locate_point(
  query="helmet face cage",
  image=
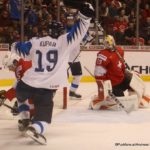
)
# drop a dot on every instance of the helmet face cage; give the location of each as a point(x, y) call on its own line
point(9, 60)
point(109, 42)
point(55, 29)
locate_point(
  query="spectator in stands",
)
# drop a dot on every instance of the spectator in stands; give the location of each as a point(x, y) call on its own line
point(2, 38)
point(119, 28)
point(52, 8)
point(63, 18)
point(117, 4)
point(16, 36)
point(15, 8)
point(3, 5)
point(113, 11)
point(130, 36)
point(123, 15)
point(5, 23)
point(5, 20)
point(43, 13)
point(49, 18)
point(132, 16)
point(145, 30)
point(31, 18)
point(104, 10)
point(37, 5)
point(146, 11)
point(131, 4)
point(126, 8)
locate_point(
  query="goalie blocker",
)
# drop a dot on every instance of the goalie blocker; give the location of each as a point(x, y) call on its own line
point(136, 98)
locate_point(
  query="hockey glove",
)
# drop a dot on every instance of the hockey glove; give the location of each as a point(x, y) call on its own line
point(2, 97)
point(76, 4)
point(87, 10)
point(15, 110)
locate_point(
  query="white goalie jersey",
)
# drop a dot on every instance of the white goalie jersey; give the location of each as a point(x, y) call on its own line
point(50, 56)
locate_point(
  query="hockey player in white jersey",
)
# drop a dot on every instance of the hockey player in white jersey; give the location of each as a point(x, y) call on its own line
point(74, 62)
point(49, 57)
point(76, 70)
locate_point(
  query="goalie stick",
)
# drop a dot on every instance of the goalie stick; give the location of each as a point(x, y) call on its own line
point(127, 110)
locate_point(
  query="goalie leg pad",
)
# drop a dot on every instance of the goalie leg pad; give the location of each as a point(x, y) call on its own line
point(127, 101)
point(107, 87)
point(110, 104)
point(97, 104)
point(137, 85)
point(103, 89)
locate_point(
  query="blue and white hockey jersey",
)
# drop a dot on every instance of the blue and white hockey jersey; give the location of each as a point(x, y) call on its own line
point(50, 56)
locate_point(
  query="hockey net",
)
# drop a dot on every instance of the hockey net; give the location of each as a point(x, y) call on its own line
point(60, 99)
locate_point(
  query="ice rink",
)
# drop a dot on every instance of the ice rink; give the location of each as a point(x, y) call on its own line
point(78, 128)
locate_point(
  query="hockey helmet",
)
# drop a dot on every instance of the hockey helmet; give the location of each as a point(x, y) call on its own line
point(109, 42)
point(55, 29)
point(10, 59)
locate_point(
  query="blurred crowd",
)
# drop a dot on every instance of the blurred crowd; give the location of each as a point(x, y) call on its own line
point(117, 17)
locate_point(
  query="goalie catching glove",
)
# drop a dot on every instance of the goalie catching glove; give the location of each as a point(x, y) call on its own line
point(2, 97)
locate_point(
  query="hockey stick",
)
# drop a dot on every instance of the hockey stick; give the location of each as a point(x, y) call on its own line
point(87, 41)
point(11, 108)
point(72, 62)
point(127, 110)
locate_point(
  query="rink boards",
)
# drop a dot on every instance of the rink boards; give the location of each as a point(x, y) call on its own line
point(137, 58)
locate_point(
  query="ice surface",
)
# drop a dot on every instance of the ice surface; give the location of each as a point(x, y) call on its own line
point(79, 128)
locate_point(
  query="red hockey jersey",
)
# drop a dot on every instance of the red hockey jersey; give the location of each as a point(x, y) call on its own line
point(21, 68)
point(109, 66)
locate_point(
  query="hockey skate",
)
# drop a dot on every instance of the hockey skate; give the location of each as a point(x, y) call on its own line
point(23, 124)
point(39, 138)
point(74, 95)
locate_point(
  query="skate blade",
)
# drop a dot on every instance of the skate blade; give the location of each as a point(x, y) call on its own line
point(40, 140)
point(74, 98)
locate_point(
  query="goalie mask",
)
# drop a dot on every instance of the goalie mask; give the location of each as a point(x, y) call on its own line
point(55, 29)
point(10, 59)
point(109, 42)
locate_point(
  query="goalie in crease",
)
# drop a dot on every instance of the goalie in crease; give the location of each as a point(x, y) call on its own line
point(111, 75)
